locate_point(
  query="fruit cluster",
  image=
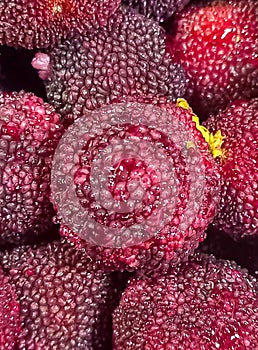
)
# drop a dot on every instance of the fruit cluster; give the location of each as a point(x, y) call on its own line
point(126, 222)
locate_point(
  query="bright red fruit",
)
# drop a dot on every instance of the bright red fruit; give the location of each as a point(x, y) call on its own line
point(216, 43)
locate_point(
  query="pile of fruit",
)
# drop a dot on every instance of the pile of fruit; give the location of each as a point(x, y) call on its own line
point(128, 174)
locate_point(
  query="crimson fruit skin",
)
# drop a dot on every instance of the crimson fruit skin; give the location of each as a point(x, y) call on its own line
point(159, 10)
point(238, 210)
point(202, 304)
point(171, 245)
point(40, 24)
point(66, 302)
point(135, 62)
point(29, 133)
point(10, 324)
point(216, 44)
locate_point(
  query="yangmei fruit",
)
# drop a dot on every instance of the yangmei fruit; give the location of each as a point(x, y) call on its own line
point(202, 304)
point(125, 57)
point(29, 133)
point(65, 300)
point(238, 210)
point(215, 41)
point(168, 188)
point(159, 10)
point(10, 323)
point(42, 23)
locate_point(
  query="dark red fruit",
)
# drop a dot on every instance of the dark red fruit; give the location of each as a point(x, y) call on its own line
point(66, 302)
point(136, 234)
point(125, 57)
point(159, 10)
point(216, 43)
point(41, 23)
point(202, 304)
point(238, 211)
point(29, 133)
point(10, 324)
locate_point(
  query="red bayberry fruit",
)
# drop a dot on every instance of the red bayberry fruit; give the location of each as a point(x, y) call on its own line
point(10, 324)
point(238, 210)
point(66, 302)
point(79, 79)
point(216, 43)
point(29, 133)
point(135, 184)
point(159, 10)
point(41, 23)
point(201, 304)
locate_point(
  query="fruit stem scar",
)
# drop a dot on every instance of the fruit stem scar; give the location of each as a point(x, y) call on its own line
point(214, 140)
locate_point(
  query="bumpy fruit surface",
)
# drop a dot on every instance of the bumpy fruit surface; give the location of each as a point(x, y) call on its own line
point(159, 10)
point(36, 24)
point(65, 300)
point(202, 304)
point(238, 210)
point(10, 324)
point(29, 133)
point(167, 185)
point(216, 43)
point(125, 57)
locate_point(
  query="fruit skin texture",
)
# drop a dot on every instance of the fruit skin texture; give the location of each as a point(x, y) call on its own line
point(37, 24)
point(221, 61)
point(202, 304)
point(29, 133)
point(65, 300)
point(238, 211)
point(171, 245)
point(135, 62)
point(159, 10)
point(10, 324)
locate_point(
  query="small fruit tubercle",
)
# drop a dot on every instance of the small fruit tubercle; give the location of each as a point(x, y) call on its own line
point(214, 140)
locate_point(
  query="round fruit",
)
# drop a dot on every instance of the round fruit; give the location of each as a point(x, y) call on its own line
point(215, 41)
point(238, 210)
point(29, 133)
point(36, 24)
point(135, 184)
point(66, 302)
point(159, 10)
point(202, 304)
point(78, 79)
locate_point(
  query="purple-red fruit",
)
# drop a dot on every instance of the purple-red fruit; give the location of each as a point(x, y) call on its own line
point(215, 41)
point(125, 57)
point(238, 210)
point(29, 133)
point(202, 304)
point(159, 10)
point(10, 324)
point(42, 23)
point(166, 210)
point(66, 302)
